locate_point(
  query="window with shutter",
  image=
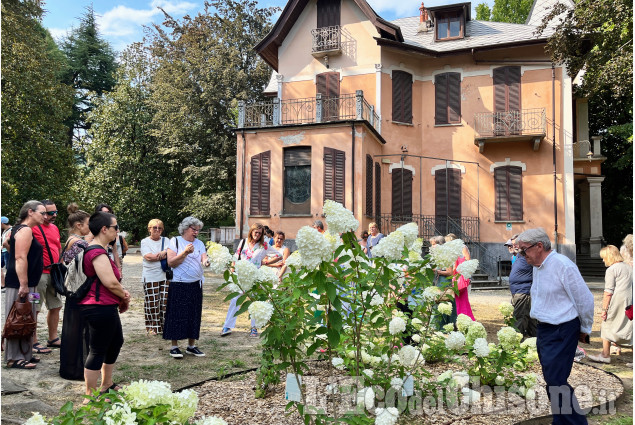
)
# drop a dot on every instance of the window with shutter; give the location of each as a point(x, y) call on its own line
point(509, 193)
point(402, 97)
point(447, 185)
point(507, 100)
point(334, 174)
point(447, 98)
point(328, 85)
point(377, 190)
point(297, 180)
point(328, 13)
point(369, 185)
point(260, 184)
point(401, 194)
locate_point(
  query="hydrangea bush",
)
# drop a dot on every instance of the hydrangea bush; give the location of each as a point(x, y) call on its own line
point(339, 305)
point(142, 402)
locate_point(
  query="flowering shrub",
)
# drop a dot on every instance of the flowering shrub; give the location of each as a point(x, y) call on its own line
point(142, 402)
point(349, 309)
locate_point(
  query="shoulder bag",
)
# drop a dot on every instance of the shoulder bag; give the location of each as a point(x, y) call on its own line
point(20, 323)
point(57, 270)
point(169, 274)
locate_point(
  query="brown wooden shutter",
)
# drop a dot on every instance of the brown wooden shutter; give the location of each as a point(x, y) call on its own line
point(328, 85)
point(369, 185)
point(447, 196)
point(401, 97)
point(334, 175)
point(328, 13)
point(401, 192)
point(377, 190)
point(454, 97)
point(260, 184)
point(509, 193)
point(441, 99)
point(507, 88)
point(500, 89)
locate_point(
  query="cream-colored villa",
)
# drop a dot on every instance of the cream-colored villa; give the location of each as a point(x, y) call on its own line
point(459, 125)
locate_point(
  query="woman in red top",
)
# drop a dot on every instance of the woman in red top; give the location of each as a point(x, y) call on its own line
point(102, 305)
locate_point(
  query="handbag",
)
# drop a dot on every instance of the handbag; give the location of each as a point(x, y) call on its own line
point(20, 323)
point(169, 274)
point(57, 270)
point(629, 312)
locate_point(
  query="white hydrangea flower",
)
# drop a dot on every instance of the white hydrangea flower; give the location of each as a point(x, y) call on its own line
point(339, 219)
point(219, 257)
point(467, 268)
point(333, 240)
point(295, 260)
point(481, 347)
point(410, 232)
point(366, 397)
point(338, 363)
point(408, 354)
point(416, 322)
point(448, 327)
point(531, 356)
point(431, 293)
point(211, 420)
point(506, 309)
point(475, 330)
point(261, 312)
point(268, 274)
point(462, 379)
point(445, 308)
point(396, 383)
point(386, 416)
point(414, 256)
point(184, 406)
point(417, 246)
point(377, 300)
point(455, 341)
point(530, 394)
point(499, 380)
point(416, 338)
point(396, 326)
point(529, 343)
point(444, 376)
point(463, 322)
point(366, 358)
point(375, 361)
point(313, 247)
point(530, 380)
point(424, 348)
point(120, 414)
point(445, 255)
point(247, 274)
point(368, 372)
point(36, 419)
point(509, 338)
point(390, 247)
point(142, 393)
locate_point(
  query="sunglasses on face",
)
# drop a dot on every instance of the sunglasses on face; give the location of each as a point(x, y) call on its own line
point(116, 226)
point(52, 213)
point(523, 251)
point(156, 228)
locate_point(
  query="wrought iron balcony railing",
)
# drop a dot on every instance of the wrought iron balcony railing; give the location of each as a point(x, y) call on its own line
point(466, 228)
point(526, 122)
point(307, 111)
point(327, 39)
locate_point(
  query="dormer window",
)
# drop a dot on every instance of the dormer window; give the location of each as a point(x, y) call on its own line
point(449, 21)
point(449, 26)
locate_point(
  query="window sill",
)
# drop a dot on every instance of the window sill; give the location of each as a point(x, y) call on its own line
point(296, 215)
point(406, 124)
point(258, 216)
point(509, 221)
point(457, 124)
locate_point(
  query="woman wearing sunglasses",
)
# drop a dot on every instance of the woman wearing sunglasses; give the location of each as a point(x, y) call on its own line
point(154, 248)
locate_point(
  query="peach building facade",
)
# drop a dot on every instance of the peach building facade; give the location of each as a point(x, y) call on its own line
point(462, 126)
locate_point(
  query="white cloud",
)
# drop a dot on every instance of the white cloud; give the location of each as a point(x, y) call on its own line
point(58, 33)
point(123, 21)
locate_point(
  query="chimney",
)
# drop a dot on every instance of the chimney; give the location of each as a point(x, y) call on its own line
point(424, 21)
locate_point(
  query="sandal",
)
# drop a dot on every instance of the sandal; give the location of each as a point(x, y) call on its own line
point(35, 359)
point(20, 364)
point(114, 387)
point(52, 343)
point(39, 349)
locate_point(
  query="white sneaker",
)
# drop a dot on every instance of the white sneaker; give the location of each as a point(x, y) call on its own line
point(600, 359)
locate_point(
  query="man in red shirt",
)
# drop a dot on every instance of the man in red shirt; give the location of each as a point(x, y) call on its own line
point(48, 235)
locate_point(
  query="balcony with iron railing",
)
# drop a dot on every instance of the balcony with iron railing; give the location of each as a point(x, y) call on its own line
point(326, 41)
point(510, 126)
point(311, 110)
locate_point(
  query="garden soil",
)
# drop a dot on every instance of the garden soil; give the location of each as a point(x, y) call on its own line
point(146, 356)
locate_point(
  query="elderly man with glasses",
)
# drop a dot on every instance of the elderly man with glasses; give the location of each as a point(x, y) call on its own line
point(48, 235)
point(562, 304)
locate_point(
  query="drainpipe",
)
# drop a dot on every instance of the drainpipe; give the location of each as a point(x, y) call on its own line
point(555, 176)
point(353, 167)
point(242, 186)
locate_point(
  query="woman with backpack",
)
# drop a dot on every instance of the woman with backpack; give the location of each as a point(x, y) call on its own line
point(75, 334)
point(23, 274)
point(101, 306)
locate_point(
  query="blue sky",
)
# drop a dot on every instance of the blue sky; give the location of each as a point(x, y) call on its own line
point(121, 21)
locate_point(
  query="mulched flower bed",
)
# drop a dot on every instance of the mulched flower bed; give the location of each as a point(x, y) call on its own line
point(233, 399)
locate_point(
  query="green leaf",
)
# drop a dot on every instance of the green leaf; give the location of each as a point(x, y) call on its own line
point(333, 337)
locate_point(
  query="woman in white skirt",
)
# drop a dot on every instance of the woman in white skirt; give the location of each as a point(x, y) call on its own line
point(253, 249)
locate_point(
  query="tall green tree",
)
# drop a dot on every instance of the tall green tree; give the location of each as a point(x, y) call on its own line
point(36, 161)
point(205, 64)
point(124, 167)
point(512, 11)
point(90, 71)
point(596, 38)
